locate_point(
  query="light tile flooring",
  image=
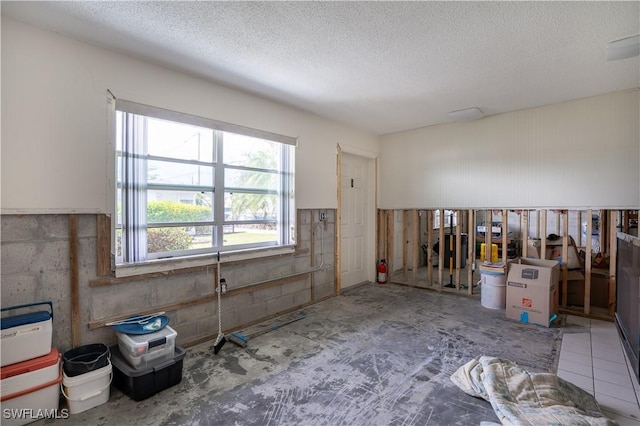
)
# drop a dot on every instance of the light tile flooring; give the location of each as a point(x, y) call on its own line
point(594, 360)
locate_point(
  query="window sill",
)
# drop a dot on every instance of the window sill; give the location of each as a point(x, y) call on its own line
point(165, 265)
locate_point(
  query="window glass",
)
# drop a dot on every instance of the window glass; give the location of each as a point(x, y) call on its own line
point(175, 199)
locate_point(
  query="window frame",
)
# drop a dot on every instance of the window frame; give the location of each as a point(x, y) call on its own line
point(285, 217)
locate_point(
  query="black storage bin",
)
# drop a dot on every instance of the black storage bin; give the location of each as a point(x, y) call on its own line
point(85, 359)
point(142, 383)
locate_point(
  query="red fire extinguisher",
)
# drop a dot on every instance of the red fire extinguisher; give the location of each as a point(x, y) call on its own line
point(382, 272)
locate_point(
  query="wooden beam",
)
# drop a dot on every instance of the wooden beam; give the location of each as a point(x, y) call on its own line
point(430, 248)
point(587, 266)
point(505, 230)
point(565, 256)
point(405, 243)
point(603, 232)
point(543, 237)
point(390, 249)
point(625, 221)
point(525, 233)
point(312, 258)
point(488, 237)
point(613, 253)
point(382, 232)
point(103, 249)
point(75, 280)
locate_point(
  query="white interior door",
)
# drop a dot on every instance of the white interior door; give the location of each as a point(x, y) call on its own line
point(354, 220)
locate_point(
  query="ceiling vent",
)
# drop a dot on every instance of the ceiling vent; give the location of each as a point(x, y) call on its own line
point(624, 48)
point(468, 114)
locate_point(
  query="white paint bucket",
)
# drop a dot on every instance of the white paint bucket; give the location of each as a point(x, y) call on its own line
point(493, 289)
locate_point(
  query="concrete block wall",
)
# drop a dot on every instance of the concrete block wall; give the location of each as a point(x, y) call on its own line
point(35, 267)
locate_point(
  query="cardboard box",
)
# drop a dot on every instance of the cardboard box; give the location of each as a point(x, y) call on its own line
point(532, 290)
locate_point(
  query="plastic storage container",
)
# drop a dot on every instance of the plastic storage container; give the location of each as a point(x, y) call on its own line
point(26, 336)
point(140, 384)
point(85, 359)
point(141, 349)
point(30, 388)
point(87, 390)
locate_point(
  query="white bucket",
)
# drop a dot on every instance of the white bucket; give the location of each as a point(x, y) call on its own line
point(87, 390)
point(493, 289)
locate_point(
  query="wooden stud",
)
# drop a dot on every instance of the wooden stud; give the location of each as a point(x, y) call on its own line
point(543, 237)
point(405, 243)
point(103, 249)
point(505, 230)
point(390, 237)
point(75, 280)
point(382, 232)
point(565, 256)
point(416, 245)
point(430, 248)
point(312, 258)
point(557, 222)
point(525, 233)
point(603, 232)
point(625, 221)
point(488, 236)
point(613, 247)
point(587, 266)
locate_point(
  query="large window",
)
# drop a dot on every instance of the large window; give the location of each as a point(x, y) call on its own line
point(187, 185)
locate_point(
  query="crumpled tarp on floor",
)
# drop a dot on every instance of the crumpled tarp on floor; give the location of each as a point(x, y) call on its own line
point(520, 398)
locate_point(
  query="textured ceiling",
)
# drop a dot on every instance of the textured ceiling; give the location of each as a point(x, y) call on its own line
point(379, 66)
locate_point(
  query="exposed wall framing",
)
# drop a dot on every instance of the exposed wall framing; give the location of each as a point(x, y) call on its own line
point(415, 263)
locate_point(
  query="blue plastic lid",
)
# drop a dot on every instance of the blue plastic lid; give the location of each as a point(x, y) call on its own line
point(22, 319)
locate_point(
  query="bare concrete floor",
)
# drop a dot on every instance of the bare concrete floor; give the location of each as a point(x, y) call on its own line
point(377, 355)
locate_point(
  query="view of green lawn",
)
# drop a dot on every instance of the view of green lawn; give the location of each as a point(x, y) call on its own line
point(236, 238)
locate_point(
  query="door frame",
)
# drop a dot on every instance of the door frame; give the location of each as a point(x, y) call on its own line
point(372, 203)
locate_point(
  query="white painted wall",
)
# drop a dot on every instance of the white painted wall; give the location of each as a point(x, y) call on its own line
point(577, 154)
point(54, 122)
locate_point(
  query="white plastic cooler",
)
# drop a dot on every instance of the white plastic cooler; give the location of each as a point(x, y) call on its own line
point(27, 335)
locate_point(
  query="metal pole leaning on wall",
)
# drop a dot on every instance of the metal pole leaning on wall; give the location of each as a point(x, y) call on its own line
point(458, 246)
point(75, 281)
point(565, 254)
point(471, 244)
point(416, 245)
point(440, 248)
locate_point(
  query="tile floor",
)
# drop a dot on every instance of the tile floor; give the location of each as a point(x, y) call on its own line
point(594, 360)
